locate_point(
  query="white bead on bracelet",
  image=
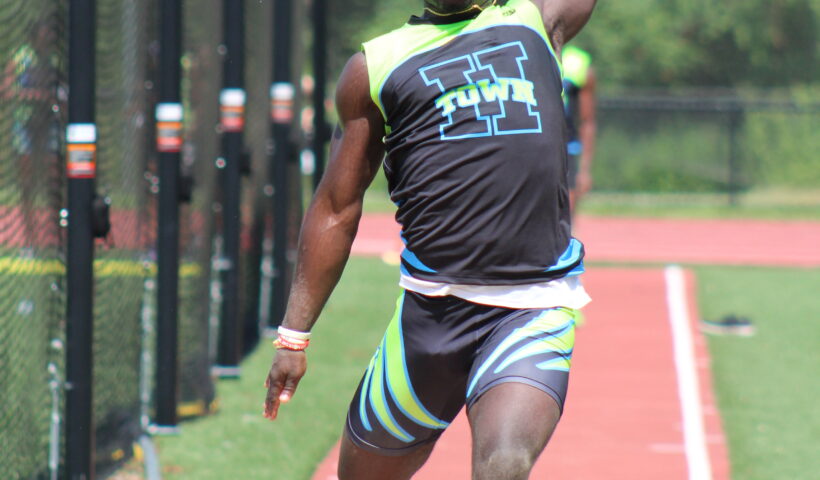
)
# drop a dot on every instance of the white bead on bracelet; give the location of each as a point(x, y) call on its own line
point(294, 334)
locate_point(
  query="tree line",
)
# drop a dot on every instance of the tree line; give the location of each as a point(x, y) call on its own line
point(651, 43)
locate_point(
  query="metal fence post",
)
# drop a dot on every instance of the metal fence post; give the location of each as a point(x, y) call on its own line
point(319, 90)
point(81, 166)
point(282, 94)
point(169, 142)
point(735, 118)
point(232, 119)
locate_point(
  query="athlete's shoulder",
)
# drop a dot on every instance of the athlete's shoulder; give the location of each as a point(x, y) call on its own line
point(563, 19)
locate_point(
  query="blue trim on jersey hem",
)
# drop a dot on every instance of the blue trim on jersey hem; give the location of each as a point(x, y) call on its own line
point(414, 261)
point(570, 256)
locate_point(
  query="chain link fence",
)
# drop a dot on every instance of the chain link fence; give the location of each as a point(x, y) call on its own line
point(712, 142)
point(32, 99)
point(33, 49)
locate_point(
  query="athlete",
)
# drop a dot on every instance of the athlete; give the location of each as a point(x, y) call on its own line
point(579, 109)
point(465, 101)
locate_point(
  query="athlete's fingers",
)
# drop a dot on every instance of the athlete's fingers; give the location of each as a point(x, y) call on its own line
point(289, 389)
point(272, 399)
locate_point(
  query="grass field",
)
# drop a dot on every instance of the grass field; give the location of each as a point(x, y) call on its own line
point(761, 203)
point(766, 385)
point(238, 443)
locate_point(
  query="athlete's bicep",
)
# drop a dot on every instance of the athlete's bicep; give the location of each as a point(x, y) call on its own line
point(563, 19)
point(356, 147)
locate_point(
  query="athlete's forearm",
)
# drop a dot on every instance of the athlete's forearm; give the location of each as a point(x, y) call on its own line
point(588, 127)
point(586, 133)
point(324, 247)
point(333, 217)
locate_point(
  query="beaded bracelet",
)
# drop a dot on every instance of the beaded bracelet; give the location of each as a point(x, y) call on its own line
point(291, 339)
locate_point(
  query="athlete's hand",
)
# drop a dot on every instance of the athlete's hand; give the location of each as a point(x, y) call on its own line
point(288, 368)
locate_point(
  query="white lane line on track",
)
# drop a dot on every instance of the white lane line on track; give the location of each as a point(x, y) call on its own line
point(697, 455)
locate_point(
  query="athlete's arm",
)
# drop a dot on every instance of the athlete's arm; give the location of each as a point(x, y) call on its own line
point(587, 130)
point(331, 221)
point(563, 19)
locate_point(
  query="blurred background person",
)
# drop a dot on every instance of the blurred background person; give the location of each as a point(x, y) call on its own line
point(28, 85)
point(579, 110)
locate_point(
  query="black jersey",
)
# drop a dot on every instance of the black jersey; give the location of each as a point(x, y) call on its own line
point(476, 147)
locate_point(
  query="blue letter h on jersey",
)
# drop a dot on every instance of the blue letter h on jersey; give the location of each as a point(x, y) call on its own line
point(484, 93)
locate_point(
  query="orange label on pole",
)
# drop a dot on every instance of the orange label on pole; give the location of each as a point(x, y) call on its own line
point(232, 109)
point(169, 127)
point(281, 102)
point(81, 145)
point(232, 118)
point(169, 136)
point(82, 160)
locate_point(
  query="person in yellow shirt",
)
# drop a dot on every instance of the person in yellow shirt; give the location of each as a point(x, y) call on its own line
point(579, 110)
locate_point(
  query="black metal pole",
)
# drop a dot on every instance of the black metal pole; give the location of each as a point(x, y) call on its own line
point(282, 96)
point(169, 143)
point(319, 89)
point(735, 117)
point(232, 115)
point(81, 137)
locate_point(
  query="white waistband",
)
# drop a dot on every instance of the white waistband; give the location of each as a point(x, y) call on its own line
point(562, 292)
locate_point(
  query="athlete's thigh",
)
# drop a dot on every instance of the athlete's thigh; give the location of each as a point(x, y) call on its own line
point(517, 389)
point(415, 383)
point(357, 463)
point(511, 424)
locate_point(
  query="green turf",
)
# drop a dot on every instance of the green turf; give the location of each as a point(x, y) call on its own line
point(761, 203)
point(767, 385)
point(758, 204)
point(238, 443)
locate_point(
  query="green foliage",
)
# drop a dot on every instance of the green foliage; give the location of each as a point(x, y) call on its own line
point(660, 153)
point(352, 22)
point(638, 44)
point(704, 43)
point(781, 148)
point(652, 42)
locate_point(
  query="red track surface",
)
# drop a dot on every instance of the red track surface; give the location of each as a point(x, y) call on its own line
point(623, 415)
point(633, 240)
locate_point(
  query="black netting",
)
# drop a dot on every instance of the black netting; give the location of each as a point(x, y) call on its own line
point(706, 143)
point(201, 63)
point(33, 93)
point(256, 204)
point(122, 114)
point(32, 52)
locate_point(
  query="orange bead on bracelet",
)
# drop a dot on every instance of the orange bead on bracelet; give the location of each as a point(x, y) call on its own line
point(294, 344)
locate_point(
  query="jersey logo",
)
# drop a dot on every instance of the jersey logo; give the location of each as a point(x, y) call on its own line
point(485, 93)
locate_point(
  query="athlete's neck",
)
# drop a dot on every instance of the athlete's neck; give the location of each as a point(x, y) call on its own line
point(454, 7)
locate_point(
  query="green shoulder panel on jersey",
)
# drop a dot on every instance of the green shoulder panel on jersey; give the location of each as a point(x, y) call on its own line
point(386, 52)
